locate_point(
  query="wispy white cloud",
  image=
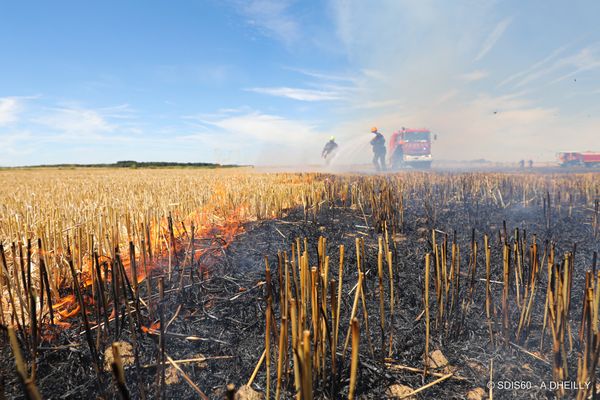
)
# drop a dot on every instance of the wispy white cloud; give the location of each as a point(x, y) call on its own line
point(9, 109)
point(298, 94)
point(265, 127)
point(29, 123)
point(586, 59)
point(447, 96)
point(263, 138)
point(591, 92)
point(16, 145)
point(200, 120)
point(510, 111)
point(373, 73)
point(272, 17)
point(539, 64)
point(324, 76)
point(379, 105)
point(120, 111)
point(493, 38)
point(75, 122)
point(474, 75)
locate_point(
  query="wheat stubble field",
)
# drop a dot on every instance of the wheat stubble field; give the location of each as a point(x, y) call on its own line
point(196, 283)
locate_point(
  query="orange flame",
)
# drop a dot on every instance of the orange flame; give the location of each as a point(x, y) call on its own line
point(209, 225)
point(155, 327)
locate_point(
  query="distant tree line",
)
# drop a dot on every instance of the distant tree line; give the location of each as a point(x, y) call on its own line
point(161, 164)
point(138, 164)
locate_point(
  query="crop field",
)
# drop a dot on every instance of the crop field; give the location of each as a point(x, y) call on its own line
point(240, 283)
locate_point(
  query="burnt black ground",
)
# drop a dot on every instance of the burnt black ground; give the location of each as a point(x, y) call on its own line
point(228, 309)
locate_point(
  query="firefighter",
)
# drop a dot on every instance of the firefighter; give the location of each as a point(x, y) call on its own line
point(378, 144)
point(329, 148)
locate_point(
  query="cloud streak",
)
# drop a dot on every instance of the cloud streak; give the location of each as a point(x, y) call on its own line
point(9, 109)
point(261, 138)
point(75, 122)
point(323, 76)
point(271, 17)
point(474, 76)
point(298, 94)
point(493, 38)
point(586, 59)
point(266, 128)
point(533, 67)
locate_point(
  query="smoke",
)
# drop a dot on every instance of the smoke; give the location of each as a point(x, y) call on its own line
point(467, 70)
point(351, 153)
point(440, 65)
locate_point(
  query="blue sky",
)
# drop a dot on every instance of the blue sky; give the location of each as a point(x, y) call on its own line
point(267, 82)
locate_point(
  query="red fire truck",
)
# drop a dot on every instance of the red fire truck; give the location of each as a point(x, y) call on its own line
point(410, 147)
point(578, 158)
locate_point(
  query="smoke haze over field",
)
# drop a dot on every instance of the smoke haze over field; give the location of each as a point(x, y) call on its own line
point(267, 82)
point(461, 72)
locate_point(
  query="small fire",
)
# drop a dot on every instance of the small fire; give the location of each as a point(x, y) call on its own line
point(67, 307)
point(170, 240)
point(69, 314)
point(152, 329)
point(64, 301)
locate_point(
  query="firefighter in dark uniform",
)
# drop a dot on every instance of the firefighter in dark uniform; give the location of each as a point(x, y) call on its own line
point(378, 144)
point(329, 150)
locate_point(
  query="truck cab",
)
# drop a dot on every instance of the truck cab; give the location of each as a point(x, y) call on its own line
point(569, 158)
point(578, 158)
point(410, 147)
